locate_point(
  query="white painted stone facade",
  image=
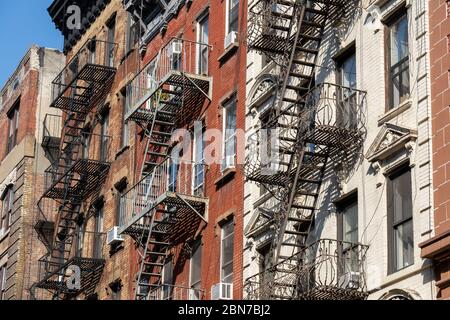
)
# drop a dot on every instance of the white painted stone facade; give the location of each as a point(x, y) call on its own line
point(368, 179)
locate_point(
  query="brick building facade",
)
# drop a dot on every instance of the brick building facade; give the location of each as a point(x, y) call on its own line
point(24, 102)
point(112, 268)
point(437, 248)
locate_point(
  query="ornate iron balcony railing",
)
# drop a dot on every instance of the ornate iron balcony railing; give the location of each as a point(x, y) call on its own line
point(326, 269)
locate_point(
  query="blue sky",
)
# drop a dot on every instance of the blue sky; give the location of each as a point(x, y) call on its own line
point(23, 23)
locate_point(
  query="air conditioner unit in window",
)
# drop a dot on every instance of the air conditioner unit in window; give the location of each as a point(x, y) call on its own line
point(222, 291)
point(231, 38)
point(176, 48)
point(114, 237)
point(350, 280)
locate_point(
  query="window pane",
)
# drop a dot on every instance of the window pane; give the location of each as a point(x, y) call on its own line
point(402, 197)
point(399, 41)
point(349, 72)
point(404, 243)
point(233, 16)
point(227, 252)
point(350, 217)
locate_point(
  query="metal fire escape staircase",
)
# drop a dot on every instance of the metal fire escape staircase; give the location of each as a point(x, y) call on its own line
point(161, 97)
point(74, 177)
point(291, 32)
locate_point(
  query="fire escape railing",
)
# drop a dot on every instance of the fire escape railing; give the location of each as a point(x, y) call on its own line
point(329, 269)
point(94, 156)
point(93, 65)
point(87, 254)
point(172, 177)
point(51, 135)
point(325, 106)
point(177, 57)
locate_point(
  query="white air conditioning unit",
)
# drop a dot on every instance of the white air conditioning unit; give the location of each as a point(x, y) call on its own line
point(176, 48)
point(114, 237)
point(231, 38)
point(350, 280)
point(222, 291)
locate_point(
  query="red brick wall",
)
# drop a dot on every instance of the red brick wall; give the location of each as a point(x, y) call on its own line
point(28, 93)
point(440, 96)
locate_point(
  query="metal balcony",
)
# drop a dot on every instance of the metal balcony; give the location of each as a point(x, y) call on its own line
point(82, 177)
point(176, 293)
point(87, 257)
point(271, 23)
point(173, 184)
point(179, 71)
point(330, 116)
point(85, 77)
point(51, 137)
point(325, 270)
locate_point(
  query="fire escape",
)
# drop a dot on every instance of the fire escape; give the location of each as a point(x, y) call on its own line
point(168, 205)
point(316, 127)
point(80, 163)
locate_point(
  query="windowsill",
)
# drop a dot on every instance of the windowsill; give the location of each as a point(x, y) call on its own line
point(226, 176)
point(395, 112)
point(122, 151)
point(4, 236)
point(228, 53)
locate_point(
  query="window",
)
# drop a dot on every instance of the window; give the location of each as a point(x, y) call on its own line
point(121, 205)
point(199, 159)
point(13, 126)
point(132, 33)
point(232, 17)
point(227, 252)
point(125, 134)
point(398, 48)
point(203, 41)
point(110, 46)
point(104, 138)
point(400, 220)
point(116, 290)
point(98, 234)
point(2, 282)
point(196, 271)
point(229, 135)
point(167, 280)
point(7, 210)
point(346, 113)
point(92, 46)
point(80, 244)
point(348, 233)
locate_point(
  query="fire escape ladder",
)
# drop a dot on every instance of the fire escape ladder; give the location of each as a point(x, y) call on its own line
point(75, 175)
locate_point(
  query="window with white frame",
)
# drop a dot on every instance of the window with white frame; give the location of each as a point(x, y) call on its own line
point(167, 281)
point(227, 252)
point(202, 46)
point(199, 159)
point(232, 16)
point(7, 204)
point(229, 134)
point(2, 281)
point(196, 272)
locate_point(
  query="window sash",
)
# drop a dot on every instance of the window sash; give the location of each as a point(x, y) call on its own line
point(196, 271)
point(229, 135)
point(227, 256)
point(203, 37)
point(2, 281)
point(400, 213)
point(233, 15)
point(398, 50)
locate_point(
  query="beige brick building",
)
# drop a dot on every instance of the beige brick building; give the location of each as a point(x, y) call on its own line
point(24, 102)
